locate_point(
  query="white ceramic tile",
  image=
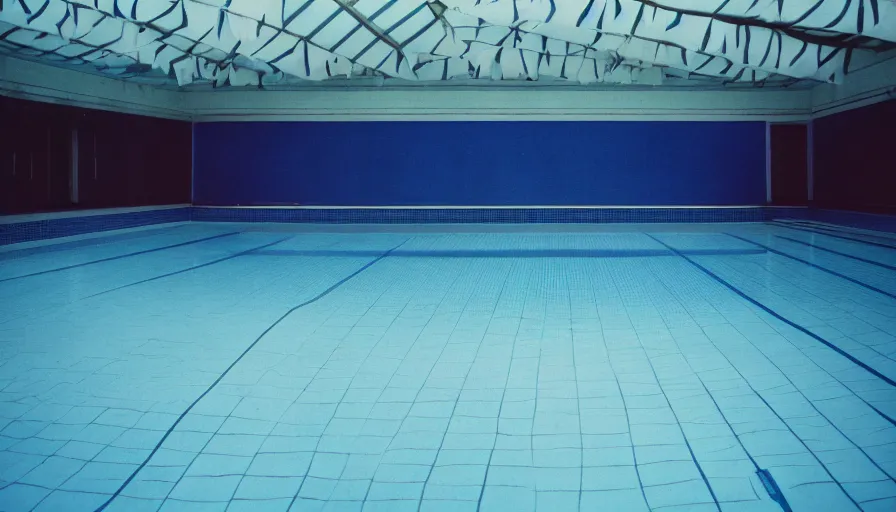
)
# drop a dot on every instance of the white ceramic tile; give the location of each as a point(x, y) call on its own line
point(443, 383)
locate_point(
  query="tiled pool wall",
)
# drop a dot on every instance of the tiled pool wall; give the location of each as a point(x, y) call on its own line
point(467, 215)
point(35, 228)
point(43, 227)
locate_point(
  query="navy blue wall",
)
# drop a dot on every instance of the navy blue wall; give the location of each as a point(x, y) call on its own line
point(853, 163)
point(480, 163)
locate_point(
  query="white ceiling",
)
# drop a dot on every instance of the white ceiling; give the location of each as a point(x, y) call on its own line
point(287, 43)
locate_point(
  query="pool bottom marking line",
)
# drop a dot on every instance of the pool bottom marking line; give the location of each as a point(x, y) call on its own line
point(237, 360)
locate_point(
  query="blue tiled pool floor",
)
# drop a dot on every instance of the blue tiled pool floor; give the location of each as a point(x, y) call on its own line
point(741, 368)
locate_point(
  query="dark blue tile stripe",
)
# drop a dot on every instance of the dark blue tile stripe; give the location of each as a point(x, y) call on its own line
point(120, 256)
point(480, 215)
point(796, 326)
point(234, 363)
point(194, 267)
point(825, 249)
point(56, 228)
point(819, 267)
point(832, 229)
point(875, 222)
point(817, 232)
point(90, 242)
point(509, 253)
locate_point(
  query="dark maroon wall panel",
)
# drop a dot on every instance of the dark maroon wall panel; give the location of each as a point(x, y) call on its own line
point(34, 156)
point(123, 160)
point(789, 164)
point(127, 160)
point(854, 166)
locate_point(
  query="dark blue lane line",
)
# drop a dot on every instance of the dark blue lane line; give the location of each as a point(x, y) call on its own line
point(817, 232)
point(774, 486)
point(190, 269)
point(845, 235)
point(819, 267)
point(838, 253)
point(87, 242)
point(772, 489)
point(684, 436)
point(510, 253)
point(842, 230)
point(112, 258)
point(237, 360)
point(765, 476)
point(796, 326)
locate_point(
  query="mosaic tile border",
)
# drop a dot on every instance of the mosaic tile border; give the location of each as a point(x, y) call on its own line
point(870, 221)
point(487, 215)
point(30, 231)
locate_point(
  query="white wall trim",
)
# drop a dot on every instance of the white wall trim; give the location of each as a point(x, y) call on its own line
point(18, 246)
point(476, 116)
point(873, 84)
point(491, 207)
point(67, 214)
point(470, 104)
point(40, 82)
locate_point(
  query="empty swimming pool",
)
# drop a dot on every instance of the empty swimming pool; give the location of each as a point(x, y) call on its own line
point(738, 367)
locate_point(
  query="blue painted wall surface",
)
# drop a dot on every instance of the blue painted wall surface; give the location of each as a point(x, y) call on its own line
point(480, 163)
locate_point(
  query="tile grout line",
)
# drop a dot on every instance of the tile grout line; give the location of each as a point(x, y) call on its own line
point(796, 326)
point(121, 256)
point(349, 387)
point(417, 395)
point(202, 450)
point(819, 232)
point(783, 500)
point(244, 474)
point(816, 266)
point(797, 285)
point(808, 401)
point(838, 253)
point(687, 443)
point(628, 421)
point(234, 363)
point(460, 390)
point(575, 376)
point(96, 239)
point(765, 475)
point(842, 229)
point(491, 453)
point(815, 363)
point(738, 272)
point(188, 269)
